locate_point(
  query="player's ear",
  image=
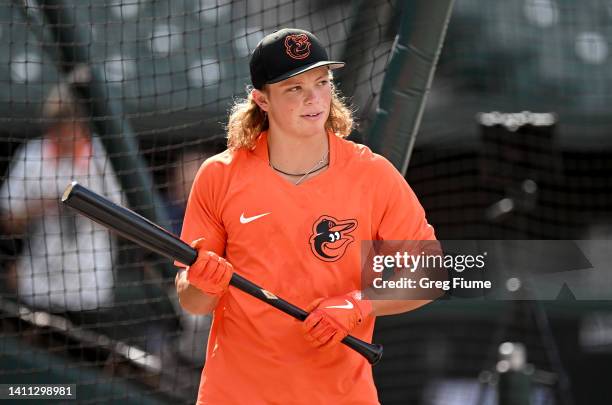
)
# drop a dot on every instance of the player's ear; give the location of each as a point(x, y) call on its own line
point(261, 99)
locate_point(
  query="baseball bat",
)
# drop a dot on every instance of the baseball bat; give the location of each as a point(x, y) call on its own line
point(147, 234)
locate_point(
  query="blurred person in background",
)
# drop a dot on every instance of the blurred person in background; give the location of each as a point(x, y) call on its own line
point(66, 263)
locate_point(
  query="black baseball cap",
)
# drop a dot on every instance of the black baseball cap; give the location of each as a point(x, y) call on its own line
point(287, 53)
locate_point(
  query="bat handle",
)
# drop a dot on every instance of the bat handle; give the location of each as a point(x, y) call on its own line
point(372, 352)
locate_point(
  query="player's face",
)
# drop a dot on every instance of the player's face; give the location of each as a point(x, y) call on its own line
point(300, 105)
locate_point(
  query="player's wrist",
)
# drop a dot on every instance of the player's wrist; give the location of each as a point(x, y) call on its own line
point(362, 304)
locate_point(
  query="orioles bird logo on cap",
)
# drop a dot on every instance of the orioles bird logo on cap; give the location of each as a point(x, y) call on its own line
point(330, 237)
point(297, 46)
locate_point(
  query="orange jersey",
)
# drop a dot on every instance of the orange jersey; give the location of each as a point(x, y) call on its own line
point(301, 243)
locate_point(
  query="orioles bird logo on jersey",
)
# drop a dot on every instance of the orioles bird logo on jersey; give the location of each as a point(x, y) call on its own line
point(297, 46)
point(330, 237)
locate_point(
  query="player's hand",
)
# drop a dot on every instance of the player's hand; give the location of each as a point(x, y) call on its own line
point(210, 273)
point(332, 319)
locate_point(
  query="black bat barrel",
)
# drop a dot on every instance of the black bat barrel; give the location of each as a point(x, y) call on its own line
point(128, 224)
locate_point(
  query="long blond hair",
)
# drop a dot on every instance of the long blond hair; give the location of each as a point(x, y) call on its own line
point(247, 120)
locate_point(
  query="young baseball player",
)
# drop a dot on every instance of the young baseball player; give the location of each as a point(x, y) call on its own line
point(286, 206)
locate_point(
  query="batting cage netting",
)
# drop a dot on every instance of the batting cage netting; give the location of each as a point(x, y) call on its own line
point(129, 97)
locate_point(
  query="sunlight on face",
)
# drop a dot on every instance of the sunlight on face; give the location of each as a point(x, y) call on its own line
point(300, 105)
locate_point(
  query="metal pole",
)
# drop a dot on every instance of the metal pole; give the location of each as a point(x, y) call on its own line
point(408, 79)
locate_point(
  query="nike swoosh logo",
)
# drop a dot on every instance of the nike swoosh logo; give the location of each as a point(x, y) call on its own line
point(348, 305)
point(246, 220)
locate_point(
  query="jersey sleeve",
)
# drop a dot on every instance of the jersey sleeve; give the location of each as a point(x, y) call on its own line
point(203, 214)
point(401, 216)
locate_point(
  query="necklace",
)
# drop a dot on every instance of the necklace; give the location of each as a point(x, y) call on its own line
point(300, 174)
point(321, 164)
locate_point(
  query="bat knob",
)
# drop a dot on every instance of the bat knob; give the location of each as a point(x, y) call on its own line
point(375, 354)
point(371, 351)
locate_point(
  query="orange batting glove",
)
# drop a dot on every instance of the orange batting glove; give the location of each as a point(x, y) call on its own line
point(210, 273)
point(332, 319)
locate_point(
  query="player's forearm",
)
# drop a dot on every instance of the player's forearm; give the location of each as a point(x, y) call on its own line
point(415, 300)
point(191, 299)
point(406, 300)
point(388, 307)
